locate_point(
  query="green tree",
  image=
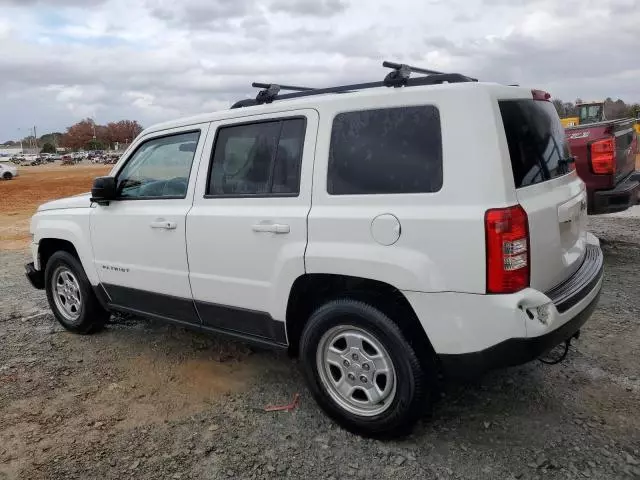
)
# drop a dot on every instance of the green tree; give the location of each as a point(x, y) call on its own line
point(48, 148)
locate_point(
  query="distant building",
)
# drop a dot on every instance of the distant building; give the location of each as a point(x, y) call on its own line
point(7, 151)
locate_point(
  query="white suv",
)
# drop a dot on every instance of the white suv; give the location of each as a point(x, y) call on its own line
point(385, 235)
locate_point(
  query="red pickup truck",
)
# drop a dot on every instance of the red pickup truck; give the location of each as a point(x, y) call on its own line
point(605, 154)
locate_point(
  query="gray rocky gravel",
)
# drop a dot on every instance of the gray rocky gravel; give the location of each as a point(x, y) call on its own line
point(143, 400)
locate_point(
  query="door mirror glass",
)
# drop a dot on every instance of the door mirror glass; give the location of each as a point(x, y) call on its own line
point(103, 190)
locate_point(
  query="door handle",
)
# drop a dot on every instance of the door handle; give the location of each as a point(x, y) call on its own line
point(163, 224)
point(271, 228)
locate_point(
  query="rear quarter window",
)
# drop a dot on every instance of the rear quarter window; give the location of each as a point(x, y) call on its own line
point(537, 145)
point(385, 151)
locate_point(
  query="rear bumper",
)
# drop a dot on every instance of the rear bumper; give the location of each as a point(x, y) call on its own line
point(475, 333)
point(515, 351)
point(35, 277)
point(618, 199)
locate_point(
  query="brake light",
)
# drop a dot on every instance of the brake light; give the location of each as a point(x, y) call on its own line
point(507, 237)
point(540, 95)
point(603, 156)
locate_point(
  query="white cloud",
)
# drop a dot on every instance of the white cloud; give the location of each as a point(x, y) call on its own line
point(155, 59)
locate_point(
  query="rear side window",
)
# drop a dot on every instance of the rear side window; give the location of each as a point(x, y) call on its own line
point(537, 144)
point(391, 150)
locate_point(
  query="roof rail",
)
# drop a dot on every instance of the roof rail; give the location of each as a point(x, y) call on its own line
point(399, 77)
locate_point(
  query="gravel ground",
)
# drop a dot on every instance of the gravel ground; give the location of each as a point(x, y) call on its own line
point(143, 400)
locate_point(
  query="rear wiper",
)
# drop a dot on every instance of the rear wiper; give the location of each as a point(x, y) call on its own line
point(563, 163)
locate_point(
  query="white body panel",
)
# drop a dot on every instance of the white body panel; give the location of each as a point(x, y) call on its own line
point(72, 225)
point(441, 246)
point(557, 212)
point(462, 323)
point(231, 262)
point(129, 250)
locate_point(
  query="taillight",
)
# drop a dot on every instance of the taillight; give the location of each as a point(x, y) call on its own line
point(507, 236)
point(603, 156)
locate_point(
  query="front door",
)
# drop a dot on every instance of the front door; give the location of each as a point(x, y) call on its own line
point(248, 233)
point(139, 239)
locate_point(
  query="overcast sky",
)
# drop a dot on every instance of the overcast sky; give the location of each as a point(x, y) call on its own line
point(152, 60)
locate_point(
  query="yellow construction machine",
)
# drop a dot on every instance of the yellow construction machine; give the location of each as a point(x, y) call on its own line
point(588, 112)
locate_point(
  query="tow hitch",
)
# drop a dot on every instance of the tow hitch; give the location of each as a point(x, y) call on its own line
point(550, 358)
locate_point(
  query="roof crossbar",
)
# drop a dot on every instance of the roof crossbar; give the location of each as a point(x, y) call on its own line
point(282, 87)
point(271, 90)
point(399, 77)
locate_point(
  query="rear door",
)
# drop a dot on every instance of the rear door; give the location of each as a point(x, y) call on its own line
point(552, 195)
point(247, 230)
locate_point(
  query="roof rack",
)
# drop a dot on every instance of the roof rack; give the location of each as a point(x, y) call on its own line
point(400, 76)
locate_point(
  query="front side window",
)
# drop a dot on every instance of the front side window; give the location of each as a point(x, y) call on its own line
point(159, 168)
point(385, 151)
point(258, 159)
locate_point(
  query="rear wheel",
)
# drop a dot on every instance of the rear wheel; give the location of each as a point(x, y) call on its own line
point(362, 371)
point(7, 176)
point(71, 296)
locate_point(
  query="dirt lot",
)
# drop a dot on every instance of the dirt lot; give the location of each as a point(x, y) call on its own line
point(20, 197)
point(146, 400)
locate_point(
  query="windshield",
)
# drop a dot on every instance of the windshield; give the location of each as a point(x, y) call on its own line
point(537, 145)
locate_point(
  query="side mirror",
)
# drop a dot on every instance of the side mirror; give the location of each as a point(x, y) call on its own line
point(103, 190)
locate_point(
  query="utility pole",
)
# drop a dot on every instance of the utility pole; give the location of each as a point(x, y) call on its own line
point(35, 137)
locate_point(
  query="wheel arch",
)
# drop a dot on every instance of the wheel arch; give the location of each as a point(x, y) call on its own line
point(67, 235)
point(310, 291)
point(49, 246)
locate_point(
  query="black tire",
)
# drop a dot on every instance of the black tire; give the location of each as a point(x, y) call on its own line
point(92, 316)
point(415, 378)
point(7, 176)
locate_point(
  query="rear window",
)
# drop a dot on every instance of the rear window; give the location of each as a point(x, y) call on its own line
point(390, 150)
point(537, 144)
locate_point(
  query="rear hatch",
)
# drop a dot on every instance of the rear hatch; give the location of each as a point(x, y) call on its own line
point(547, 188)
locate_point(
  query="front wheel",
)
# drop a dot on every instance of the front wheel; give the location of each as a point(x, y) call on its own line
point(7, 176)
point(71, 296)
point(362, 371)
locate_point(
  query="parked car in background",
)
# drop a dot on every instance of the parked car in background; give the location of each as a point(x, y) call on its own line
point(605, 158)
point(7, 170)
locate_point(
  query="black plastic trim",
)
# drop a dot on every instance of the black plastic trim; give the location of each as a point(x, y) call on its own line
point(35, 277)
point(165, 306)
point(514, 351)
point(242, 321)
point(249, 326)
point(102, 295)
point(574, 289)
